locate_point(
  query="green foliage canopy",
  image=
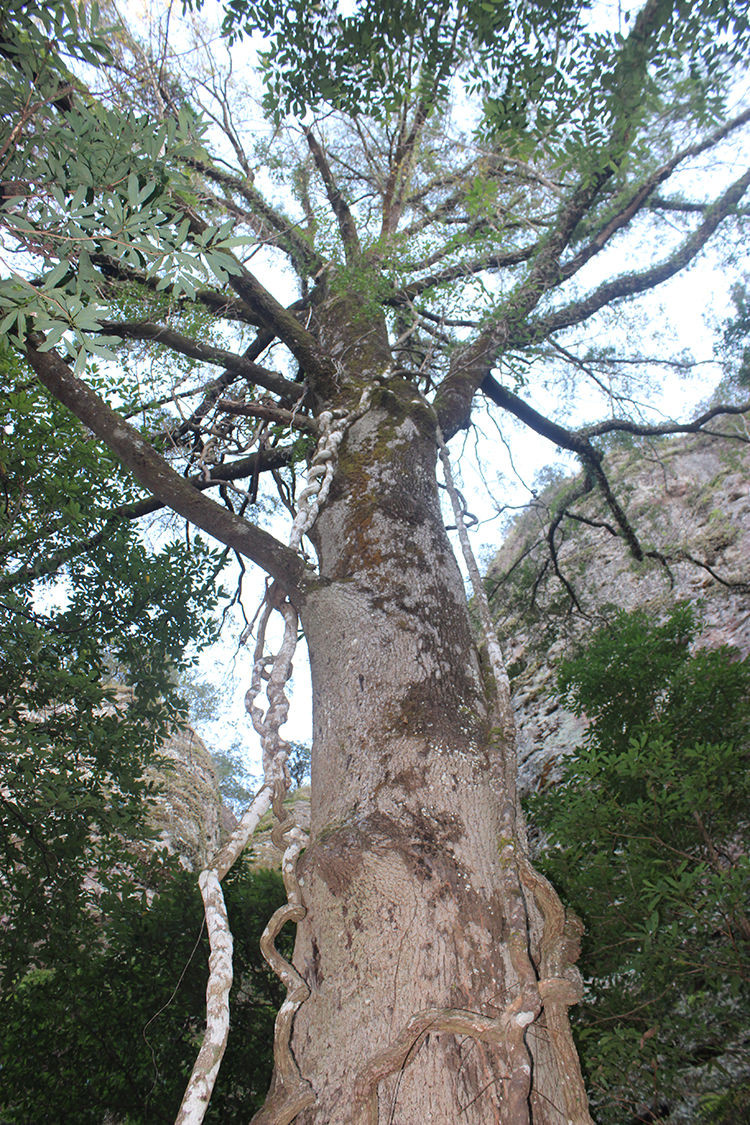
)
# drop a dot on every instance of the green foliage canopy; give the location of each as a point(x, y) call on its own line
point(73, 760)
point(544, 71)
point(104, 182)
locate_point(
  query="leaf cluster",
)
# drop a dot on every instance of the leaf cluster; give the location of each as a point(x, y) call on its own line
point(85, 180)
point(544, 71)
point(377, 58)
point(737, 336)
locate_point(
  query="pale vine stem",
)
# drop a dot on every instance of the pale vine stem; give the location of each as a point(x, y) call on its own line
point(291, 1092)
point(489, 634)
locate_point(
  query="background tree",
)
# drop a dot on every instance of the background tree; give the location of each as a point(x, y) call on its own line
point(100, 947)
point(428, 263)
point(87, 676)
point(647, 840)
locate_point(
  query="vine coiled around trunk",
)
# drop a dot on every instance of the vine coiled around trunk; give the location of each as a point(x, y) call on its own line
point(290, 1092)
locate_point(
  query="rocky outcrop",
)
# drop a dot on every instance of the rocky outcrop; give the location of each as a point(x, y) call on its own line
point(188, 811)
point(688, 501)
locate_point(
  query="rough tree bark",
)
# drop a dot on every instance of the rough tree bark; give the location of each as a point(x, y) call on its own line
point(439, 966)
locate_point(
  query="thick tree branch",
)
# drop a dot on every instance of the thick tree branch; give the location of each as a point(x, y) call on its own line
point(472, 362)
point(269, 414)
point(156, 475)
point(545, 427)
point(489, 228)
point(394, 196)
point(264, 460)
point(238, 365)
point(639, 197)
point(301, 343)
point(395, 189)
point(441, 182)
point(273, 315)
point(684, 207)
point(263, 339)
point(566, 439)
point(441, 211)
point(578, 442)
point(629, 285)
point(340, 207)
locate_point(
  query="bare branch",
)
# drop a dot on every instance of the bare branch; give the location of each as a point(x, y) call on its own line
point(579, 442)
point(214, 390)
point(630, 285)
point(287, 236)
point(682, 206)
point(624, 425)
point(156, 475)
point(269, 413)
point(467, 268)
point(347, 226)
point(579, 492)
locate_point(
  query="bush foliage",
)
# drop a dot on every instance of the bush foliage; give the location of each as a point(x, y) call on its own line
point(110, 1031)
point(647, 841)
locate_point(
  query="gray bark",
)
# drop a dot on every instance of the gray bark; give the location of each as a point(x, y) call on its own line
point(439, 964)
point(426, 935)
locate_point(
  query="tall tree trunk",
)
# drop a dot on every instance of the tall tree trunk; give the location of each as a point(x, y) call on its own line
point(426, 932)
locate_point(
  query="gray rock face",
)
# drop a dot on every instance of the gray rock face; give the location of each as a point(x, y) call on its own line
point(188, 811)
point(687, 499)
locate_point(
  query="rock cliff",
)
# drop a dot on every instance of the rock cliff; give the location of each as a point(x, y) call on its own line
point(688, 501)
point(188, 810)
